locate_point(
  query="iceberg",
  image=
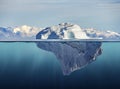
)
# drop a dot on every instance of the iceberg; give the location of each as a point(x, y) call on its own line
point(72, 55)
point(62, 31)
point(74, 31)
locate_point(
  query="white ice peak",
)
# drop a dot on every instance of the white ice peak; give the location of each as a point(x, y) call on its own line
point(62, 31)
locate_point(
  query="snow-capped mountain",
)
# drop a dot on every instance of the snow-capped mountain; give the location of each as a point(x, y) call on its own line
point(60, 31)
point(102, 34)
point(17, 33)
point(26, 31)
point(6, 33)
point(73, 31)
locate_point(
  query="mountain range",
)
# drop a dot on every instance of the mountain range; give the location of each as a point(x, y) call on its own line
point(60, 31)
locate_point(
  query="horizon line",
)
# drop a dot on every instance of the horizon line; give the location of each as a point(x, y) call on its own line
point(62, 40)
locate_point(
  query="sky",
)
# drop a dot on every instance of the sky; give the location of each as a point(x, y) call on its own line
point(99, 14)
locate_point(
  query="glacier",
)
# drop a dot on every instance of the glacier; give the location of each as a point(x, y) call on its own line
point(73, 55)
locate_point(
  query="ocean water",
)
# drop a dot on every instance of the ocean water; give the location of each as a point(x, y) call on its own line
point(24, 66)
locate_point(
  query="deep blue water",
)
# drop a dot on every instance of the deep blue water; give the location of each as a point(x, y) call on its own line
point(24, 66)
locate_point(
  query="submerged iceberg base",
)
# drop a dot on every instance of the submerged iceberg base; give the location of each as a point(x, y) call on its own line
point(73, 55)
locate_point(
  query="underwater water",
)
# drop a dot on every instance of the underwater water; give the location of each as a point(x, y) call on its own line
point(25, 66)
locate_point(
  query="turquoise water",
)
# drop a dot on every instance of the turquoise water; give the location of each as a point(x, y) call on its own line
point(24, 66)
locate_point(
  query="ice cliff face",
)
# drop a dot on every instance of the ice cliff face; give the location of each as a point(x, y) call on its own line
point(73, 55)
